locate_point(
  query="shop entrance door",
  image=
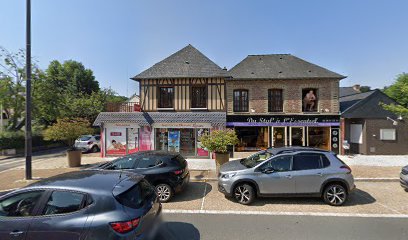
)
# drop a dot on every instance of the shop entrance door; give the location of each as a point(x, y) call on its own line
point(187, 142)
point(278, 137)
point(296, 136)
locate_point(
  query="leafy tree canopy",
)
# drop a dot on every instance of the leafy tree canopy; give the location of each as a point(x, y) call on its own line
point(399, 92)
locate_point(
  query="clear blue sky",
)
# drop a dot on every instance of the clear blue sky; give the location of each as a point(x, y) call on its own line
point(366, 40)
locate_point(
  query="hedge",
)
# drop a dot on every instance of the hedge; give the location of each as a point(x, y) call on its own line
point(16, 140)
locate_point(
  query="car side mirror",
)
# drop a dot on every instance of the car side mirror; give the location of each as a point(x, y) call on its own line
point(268, 170)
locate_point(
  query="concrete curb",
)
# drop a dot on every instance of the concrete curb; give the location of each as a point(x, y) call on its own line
point(377, 179)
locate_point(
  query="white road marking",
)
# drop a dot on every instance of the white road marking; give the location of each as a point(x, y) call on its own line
point(316, 214)
point(376, 202)
point(205, 193)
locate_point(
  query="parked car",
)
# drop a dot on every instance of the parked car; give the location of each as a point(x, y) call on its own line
point(404, 178)
point(86, 205)
point(296, 172)
point(168, 172)
point(88, 143)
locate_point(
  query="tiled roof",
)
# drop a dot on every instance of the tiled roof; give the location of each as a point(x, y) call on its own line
point(279, 66)
point(188, 62)
point(348, 101)
point(346, 91)
point(121, 117)
point(217, 119)
point(366, 105)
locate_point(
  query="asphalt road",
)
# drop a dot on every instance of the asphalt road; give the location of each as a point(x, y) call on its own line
point(13, 162)
point(262, 227)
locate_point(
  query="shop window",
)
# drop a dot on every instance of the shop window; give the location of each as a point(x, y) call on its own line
point(166, 96)
point(310, 101)
point(251, 138)
point(388, 134)
point(319, 137)
point(199, 97)
point(240, 100)
point(275, 100)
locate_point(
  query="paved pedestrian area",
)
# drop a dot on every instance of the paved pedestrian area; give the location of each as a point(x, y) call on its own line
point(369, 198)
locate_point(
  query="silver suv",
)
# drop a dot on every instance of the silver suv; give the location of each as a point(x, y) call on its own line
point(289, 172)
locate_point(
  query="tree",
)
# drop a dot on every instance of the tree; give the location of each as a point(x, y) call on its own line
point(12, 85)
point(399, 92)
point(364, 89)
point(67, 89)
point(68, 130)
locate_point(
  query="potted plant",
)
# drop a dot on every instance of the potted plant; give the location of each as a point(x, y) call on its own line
point(67, 130)
point(218, 141)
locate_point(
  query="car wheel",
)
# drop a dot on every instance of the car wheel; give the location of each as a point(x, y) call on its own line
point(95, 149)
point(244, 194)
point(406, 189)
point(164, 192)
point(335, 195)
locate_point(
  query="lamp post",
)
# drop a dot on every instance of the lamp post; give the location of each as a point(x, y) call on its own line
point(28, 134)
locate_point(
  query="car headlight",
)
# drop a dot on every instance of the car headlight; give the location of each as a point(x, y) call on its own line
point(228, 175)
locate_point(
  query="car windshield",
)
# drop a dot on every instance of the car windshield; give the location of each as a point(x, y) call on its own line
point(256, 158)
point(84, 138)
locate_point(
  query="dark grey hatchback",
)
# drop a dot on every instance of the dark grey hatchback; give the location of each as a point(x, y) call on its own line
point(84, 205)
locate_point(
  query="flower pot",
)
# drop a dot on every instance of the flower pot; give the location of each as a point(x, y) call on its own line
point(221, 158)
point(74, 158)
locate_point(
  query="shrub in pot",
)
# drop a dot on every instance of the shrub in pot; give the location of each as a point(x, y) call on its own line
point(218, 141)
point(67, 130)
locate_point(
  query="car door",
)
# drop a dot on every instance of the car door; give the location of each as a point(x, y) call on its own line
point(275, 176)
point(16, 213)
point(63, 216)
point(307, 172)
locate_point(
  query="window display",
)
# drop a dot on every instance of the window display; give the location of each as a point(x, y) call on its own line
point(319, 137)
point(309, 100)
point(251, 138)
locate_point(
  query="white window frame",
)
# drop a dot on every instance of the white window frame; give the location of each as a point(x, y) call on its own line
point(356, 133)
point(392, 131)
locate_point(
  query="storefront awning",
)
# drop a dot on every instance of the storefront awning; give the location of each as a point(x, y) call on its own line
point(216, 119)
point(121, 117)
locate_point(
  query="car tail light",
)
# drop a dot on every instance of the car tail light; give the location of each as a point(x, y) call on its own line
point(346, 167)
point(178, 172)
point(124, 227)
point(90, 142)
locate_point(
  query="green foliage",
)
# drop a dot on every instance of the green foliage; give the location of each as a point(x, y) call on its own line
point(399, 92)
point(16, 140)
point(365, 89)
point(68, 130)
point(218, 140)
point(12, 78)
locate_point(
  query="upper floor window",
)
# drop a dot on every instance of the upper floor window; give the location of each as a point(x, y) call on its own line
point(240, 100)
point(310, 103)
point(199, 97)
point(275, 100)
point(166, 96)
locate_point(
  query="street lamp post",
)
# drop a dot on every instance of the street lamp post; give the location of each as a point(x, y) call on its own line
point(28, 134)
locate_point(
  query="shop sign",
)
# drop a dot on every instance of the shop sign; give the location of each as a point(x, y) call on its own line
point(182, 125)
point(283, 120)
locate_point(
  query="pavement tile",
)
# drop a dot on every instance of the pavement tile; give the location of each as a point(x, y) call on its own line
point(14, 178)
point(191, 198)
point(360, 202)
point(360, 171)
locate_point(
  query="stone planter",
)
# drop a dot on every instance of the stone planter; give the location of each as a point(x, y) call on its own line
point(220, 158)
point(74, 158)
